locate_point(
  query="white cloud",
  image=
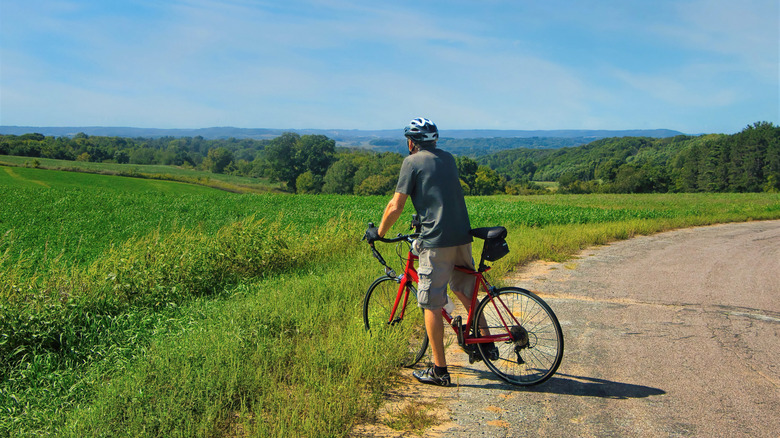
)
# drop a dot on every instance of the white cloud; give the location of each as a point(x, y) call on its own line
point(347, 64)
point(676, 92)
point(746, 32)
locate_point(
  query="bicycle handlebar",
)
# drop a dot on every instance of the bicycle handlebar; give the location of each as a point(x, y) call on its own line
point(400, 237)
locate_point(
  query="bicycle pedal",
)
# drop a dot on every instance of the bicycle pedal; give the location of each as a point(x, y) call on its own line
point(457, 324)
point(473, 352)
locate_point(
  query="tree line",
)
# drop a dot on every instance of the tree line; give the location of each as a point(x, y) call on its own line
point(304, 163)
point(477, 147)
point(748, 161)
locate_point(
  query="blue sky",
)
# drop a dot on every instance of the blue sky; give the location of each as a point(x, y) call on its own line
point(697, 66)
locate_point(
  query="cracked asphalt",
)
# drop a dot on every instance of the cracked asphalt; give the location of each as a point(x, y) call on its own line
point(675, 334)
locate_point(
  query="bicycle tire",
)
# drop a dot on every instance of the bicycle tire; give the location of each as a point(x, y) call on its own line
point(377, 305)
point(529, 360)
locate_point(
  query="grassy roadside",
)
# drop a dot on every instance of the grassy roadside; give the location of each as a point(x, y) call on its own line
point(333, 377)
point(280, 351)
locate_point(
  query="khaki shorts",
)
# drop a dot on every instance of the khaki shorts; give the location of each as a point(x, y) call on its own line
point(437, 268)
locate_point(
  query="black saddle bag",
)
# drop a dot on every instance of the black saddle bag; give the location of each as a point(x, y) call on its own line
point(495, 246)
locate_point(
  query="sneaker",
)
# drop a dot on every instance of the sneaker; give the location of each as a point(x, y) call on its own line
point(429, 376)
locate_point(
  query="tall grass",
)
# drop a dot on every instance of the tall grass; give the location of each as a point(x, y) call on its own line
point(282, 358)
point(244, 321)
point(77, 319)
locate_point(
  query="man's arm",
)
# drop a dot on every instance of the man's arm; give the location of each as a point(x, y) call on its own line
point(392, 212)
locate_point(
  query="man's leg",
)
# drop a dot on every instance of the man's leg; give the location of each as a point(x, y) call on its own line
point(434, 325)
point(434, 269)
point(437, 374)
point(462, 286)
point(466, 301)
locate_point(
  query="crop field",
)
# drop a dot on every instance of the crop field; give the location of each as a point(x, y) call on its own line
point(146, 171)
point(137, 307)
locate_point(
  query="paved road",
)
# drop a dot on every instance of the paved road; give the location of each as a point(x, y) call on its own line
point(676, 334)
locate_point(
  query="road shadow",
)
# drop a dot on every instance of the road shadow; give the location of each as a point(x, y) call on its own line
point(592, 387)
point(566, 384)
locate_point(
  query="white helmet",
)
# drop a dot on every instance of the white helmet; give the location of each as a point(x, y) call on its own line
point(421, 130)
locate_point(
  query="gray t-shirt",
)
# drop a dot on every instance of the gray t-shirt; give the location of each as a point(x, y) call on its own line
point(430, 178)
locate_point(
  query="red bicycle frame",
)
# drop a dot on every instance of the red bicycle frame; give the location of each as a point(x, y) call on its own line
point(410, 276)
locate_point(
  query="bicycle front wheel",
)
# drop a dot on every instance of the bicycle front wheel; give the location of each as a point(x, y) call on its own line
point(535, 349)
point(408, 330)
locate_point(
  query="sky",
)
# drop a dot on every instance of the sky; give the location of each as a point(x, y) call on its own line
point(696, 66)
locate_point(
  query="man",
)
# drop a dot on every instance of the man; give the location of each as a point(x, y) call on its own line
point(430, 177)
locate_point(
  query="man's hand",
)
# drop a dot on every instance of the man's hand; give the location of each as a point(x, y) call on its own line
point(372, 233)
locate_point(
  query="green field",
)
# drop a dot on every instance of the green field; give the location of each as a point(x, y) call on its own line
point(137, 307)
point(228, 182)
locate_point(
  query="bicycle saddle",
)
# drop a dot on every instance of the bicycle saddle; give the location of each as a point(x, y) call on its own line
point(489, 232)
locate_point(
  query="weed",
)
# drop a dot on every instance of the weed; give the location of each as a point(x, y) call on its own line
point(413, 417)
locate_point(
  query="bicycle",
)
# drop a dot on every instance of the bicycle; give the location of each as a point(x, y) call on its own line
point(523, 327)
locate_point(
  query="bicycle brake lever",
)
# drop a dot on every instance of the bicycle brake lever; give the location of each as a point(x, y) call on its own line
point(377, 255)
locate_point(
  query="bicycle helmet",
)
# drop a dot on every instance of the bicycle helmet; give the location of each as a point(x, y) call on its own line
point(421, 130)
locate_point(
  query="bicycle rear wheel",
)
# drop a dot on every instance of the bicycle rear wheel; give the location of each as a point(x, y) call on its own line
point(410, 330)
point(536, 350)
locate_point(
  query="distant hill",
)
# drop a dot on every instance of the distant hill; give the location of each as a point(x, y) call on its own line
point(340, 135)
point(748, 161)
point(468, 142)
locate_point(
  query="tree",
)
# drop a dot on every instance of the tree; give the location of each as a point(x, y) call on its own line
point(339, 178)
point(142, 155)
point(629, 179)
point(243, 167)
point(290, 155)
point(566, 179)
point(376, 185)
point(467, 170)
point(526, 167)
point(218, 159)
point(772, 165)
point(121, 157)
point(308, 182)
point(315, 153)
point(607, 170)
point(281, 155)
point(32, 137)
point(487, 182)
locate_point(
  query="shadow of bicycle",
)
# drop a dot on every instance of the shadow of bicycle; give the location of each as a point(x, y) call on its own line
point(592, 387)
point(566, 384)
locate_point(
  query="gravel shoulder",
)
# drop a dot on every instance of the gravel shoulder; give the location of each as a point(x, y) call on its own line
point(675, 334)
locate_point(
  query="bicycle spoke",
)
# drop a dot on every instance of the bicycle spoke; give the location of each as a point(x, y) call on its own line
point(410, 330)
point(520, 362)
